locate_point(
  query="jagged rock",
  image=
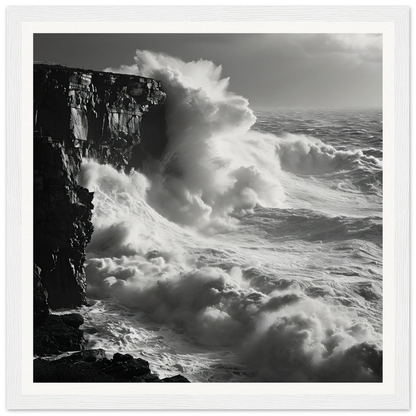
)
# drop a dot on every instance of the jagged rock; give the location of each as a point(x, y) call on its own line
point(52, 335)
point(127, 369)
point(148, 378)
point(93, 366)
point(86, 355)
point(73, 319)
point(122, 357)
point(62, 228)
point(40, 297)
point(61, 372)
point(113, 118)
point(175, 379)
point(96, 111)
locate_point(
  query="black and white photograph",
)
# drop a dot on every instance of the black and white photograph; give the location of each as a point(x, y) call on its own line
point(208, 207)
point(211, 196)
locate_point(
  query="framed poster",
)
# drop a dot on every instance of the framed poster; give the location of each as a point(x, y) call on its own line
point(212, 195)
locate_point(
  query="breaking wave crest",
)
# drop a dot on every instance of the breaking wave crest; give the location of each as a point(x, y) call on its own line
point(310, 156)
point(184, 244)
point(213, 165)
point(151, 265)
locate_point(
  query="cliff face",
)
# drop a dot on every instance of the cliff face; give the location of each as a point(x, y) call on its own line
point(116, 119)
point(104, 115)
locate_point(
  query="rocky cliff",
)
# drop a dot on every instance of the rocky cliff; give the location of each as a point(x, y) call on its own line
point(113, 118)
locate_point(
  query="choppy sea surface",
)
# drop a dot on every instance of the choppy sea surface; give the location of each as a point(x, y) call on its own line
point(252, 251)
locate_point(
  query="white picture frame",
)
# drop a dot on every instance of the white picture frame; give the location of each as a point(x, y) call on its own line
point(395, 395)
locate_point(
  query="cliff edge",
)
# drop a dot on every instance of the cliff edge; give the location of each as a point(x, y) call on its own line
point(113, 118)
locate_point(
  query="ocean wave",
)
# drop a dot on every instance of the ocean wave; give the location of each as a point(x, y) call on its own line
point(307, 155)
point(151, 265)
point(285, 335)
point(259, 249)
point(308, 225)
point(214, 164)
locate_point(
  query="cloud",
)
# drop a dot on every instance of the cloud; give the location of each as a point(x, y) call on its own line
point(357, 47)
point(363, 46)
point(360, 41)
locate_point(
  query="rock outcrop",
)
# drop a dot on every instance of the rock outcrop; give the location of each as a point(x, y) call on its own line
point(113, 118)
point(104, 115)
point(94, 366)
point(55, 334)
point(40, 297)
point(62, 222)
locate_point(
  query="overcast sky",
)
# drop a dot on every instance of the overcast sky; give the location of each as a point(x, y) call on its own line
point(271, 70)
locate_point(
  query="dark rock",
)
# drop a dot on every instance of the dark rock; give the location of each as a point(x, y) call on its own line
point(52, 320)
point(132, 367)
point(40, 297)
point(148, 378)
point(58, 244)
point(87, 355)
point(52, 336)
point(99, 364)
point(61, 372)
point(93, 366)
point(175, 379)
point(113, 118)
point(122, 357)
point(73, 319)
point(83, 113)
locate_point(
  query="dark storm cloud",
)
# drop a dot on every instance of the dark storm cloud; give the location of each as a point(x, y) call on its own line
point(318, 70)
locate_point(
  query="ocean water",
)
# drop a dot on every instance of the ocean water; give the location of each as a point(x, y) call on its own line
point(252, 251)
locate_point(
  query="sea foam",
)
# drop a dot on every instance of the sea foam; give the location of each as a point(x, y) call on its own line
point(194, 244)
